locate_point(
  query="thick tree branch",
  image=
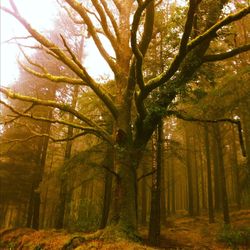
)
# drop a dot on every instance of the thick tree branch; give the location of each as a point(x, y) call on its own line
point(211, 32)
point(188, 27)
point(208, 34)
point(64, 107)
point(140, 51)
point(135, 26)
point(148, 28)
point(136, 73)
point(226, 55)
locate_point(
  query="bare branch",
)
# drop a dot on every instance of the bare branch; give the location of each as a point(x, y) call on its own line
point(71, 16)
point(32, 62)
point(17, 38)
point(36, 135)
point(233, 121)
point(225, 55)
point(146, 175)
point(73, 56)
point(83, 13)
point(111, 18)
point(94, 14)
point(111, 171)
point(53, 78)
point(105, 24)
point(47, 43)
point(43, 119)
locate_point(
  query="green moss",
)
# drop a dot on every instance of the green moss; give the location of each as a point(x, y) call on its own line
point(115, 233)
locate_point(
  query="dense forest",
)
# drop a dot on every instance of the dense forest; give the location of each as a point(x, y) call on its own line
point(141, 157)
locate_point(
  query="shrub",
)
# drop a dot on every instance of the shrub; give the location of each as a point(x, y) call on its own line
point(235, 237)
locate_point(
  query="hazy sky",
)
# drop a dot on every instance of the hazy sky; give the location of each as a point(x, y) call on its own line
point(40, 13)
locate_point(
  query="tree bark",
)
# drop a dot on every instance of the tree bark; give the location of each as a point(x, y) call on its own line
point(155, 224)
point(108, 163)
point(144, 199)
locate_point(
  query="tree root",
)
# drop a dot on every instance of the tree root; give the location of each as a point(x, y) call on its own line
point(109, 234)
point(79, 240)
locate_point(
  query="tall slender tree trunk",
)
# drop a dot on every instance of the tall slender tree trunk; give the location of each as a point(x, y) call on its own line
point(217, 179)
point(168, 187)
point(245, 117)
point(189, 176)
point(37, 195)
point(209, 176)
point(154, 224)
point(35, 199)
point(246, 130)
point(163, 191)
point(236, 177)
point(197, 190)
point(30, 205)
point(203, 192)
point(222, 176)
point(59, 222)
point(173, 191)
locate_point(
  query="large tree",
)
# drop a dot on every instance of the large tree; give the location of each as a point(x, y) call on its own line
point(138, 102)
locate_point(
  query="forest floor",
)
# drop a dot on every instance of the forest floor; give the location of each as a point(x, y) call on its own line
point(180, 233)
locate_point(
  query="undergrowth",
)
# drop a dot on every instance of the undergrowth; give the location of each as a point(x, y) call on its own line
point(235, 238)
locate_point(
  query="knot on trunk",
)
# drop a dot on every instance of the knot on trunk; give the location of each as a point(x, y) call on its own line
point(121, 137)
